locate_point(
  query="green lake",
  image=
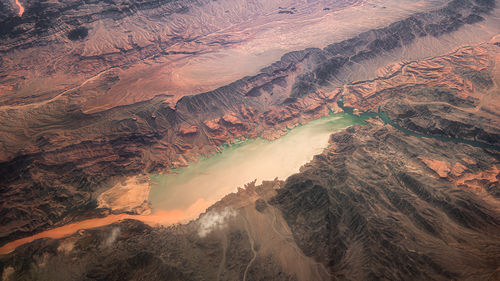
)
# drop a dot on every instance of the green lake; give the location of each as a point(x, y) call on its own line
point(213, 177)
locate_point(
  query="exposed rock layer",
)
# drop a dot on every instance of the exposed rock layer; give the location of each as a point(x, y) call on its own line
point(60, 155)
point(366, 209)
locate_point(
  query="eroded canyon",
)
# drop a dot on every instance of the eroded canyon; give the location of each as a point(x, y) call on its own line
point(410, 196)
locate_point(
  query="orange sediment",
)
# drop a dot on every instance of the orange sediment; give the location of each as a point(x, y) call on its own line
point(21, 8)
point(63, 231)
point(158, 218)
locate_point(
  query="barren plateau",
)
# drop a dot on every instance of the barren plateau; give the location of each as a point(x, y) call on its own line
point(102, 102)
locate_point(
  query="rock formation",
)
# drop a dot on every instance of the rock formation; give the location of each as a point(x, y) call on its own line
point(411, 196)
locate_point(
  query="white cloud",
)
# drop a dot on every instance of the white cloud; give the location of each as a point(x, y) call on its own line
point(112, 236)
point(213, 220)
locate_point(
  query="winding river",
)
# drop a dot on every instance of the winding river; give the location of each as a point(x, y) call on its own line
point(383, 116)
point(186, 192)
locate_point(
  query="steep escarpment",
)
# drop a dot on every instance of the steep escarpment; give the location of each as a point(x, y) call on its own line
point(55, 47)
point(60, 155)
point(136, 63)
point(374, 43)
point(382, 204)
point(451, 96)
point(376, 204)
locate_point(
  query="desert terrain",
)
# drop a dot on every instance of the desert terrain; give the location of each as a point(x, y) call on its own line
point(96, 97)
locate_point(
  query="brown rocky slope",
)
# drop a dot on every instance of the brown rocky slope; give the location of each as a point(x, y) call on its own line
point(377, 204)
point(56, 158)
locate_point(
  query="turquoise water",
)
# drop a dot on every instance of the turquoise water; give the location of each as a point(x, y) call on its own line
point(383, 116)
point(213, 177)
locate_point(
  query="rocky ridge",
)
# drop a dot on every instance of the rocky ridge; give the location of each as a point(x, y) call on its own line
point(376, 204)
point(55, 160)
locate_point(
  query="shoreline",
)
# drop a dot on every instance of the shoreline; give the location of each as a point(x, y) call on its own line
point(155, 218)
